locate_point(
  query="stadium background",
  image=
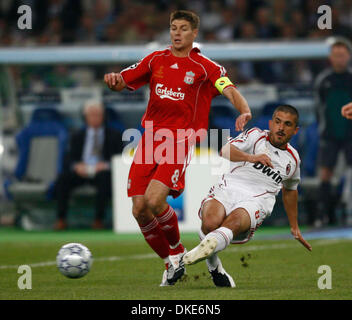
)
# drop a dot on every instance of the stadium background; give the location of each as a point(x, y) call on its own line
point(64, 87)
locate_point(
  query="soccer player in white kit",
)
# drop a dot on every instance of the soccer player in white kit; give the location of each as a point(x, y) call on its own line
point(262, 164)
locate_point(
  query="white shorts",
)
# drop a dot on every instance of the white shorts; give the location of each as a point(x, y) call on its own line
point(258, 208)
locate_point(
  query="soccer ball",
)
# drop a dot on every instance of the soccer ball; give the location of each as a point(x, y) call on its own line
point(74, 260)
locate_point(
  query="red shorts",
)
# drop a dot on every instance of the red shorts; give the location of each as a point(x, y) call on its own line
point(165, 161)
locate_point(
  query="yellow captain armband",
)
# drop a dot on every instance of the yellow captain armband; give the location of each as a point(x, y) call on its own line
point(222, 83)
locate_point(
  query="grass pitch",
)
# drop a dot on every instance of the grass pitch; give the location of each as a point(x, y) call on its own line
point(124, 267)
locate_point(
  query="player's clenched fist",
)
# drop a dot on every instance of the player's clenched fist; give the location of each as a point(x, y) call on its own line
point(114, 81)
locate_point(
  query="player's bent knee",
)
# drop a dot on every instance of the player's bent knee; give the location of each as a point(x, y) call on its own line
point(139, 207)
point(141, 212)
point(238, 221)
point(142, 217)
point(137, 211)
point(154, 204)
point(210, 224)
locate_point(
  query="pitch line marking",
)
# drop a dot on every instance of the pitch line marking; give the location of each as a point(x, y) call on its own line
point(234, 248)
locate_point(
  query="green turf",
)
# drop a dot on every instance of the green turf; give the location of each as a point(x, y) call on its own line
point(262, 269)
point(11, 234)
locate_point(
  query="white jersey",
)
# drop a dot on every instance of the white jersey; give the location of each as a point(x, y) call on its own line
point(257, 179)
point(254, 186)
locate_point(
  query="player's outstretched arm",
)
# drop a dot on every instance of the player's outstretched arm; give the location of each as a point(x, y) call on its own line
point(290, 199)
point(346, 111)
point(114, 81)
point(230, 152)
point(240, 103)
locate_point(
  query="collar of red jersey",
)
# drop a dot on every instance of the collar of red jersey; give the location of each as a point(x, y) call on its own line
point(195, 49)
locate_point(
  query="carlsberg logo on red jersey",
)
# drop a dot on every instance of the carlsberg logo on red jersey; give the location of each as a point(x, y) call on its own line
point(165, 92)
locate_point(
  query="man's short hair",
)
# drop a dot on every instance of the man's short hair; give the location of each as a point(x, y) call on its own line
point(288, 109)
point(342, 43)
point(189, 16)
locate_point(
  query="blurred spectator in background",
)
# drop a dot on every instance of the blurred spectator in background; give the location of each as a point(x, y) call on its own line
point(297, 20)
point(103, 17)
point(280, 12)
point(333, 90)
point(92, 22)
point(90, 153)
point(346, 13)
point(246, 68)
point(339, 29)
point(265, 28)
point(212, 16)
point(59, 77)
point(69, 13)
point(85, 34)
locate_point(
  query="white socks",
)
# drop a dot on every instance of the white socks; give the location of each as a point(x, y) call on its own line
point(201, 235)
point(212, 262)
point(224, 236)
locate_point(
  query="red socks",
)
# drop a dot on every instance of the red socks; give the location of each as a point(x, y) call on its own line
point(155, 238)
point(169, 225)
point(163, 235)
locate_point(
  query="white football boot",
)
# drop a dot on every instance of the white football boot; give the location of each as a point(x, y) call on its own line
point(204, 250)
point(164, 282)
point(175, 270)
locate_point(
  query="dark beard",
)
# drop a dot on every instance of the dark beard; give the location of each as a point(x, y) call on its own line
point(276, 144)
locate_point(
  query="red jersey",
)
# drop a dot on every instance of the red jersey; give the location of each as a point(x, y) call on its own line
point(181, 88)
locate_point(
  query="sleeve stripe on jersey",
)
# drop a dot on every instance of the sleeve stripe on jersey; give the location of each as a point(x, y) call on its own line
point(222, 69)
point(244, 133)
point(248, 131)
point(132, 66)
point(234, 140)
point(251, 130)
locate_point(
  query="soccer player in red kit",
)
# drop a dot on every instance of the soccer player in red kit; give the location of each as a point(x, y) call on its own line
point(182, 84)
